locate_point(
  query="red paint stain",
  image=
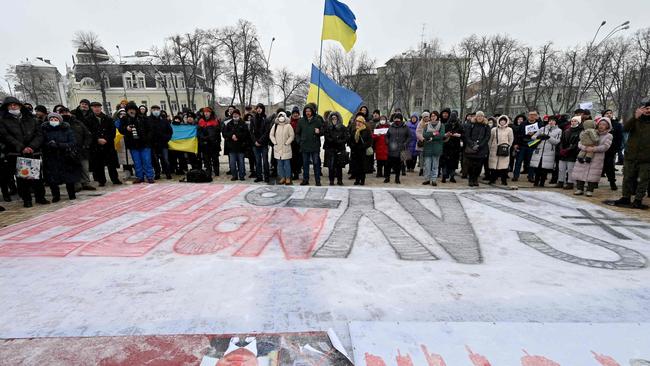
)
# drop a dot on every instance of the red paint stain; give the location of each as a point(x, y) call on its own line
point(529, 360)
point(372, 360)
point(477, 359)
point(403, 360)
point(605, 360)
point(433, 359)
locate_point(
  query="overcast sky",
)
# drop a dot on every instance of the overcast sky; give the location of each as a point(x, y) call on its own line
point(31, 28)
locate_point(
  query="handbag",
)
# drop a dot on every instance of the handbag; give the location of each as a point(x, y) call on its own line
point(405, 155)
point(27, 168)
point(502, 149)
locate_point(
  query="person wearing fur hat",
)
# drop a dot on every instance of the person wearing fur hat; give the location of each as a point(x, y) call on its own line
point(336, 136)
point(282, 136)
point(501, 140)
point(310, 129)
point(589, 173)
point(360, 142)
point(137, 137)
point(296, 155)
point(636, 168)
point(20, 136)
point(103, 147)
point(476, 149)
point(61, 160)
point(209, 134)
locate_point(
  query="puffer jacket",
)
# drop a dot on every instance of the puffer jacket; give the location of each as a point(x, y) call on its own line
point(281, 136)
point(498, 136)
point(61, 162)
point(336, 136)
point(590, 172)
point(569, 144)
point(544, 154)
point(397, 138)
point(19, 132)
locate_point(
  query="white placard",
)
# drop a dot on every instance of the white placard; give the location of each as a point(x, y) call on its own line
point(532, 128)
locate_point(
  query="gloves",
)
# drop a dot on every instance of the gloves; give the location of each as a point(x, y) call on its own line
point(52, 144)
point(544, 137)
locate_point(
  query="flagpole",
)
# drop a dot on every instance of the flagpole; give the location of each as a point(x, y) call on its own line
point(320, 62)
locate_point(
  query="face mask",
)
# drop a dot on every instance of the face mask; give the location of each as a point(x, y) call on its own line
point(235, 119)
point(15, 112)
point(155, 113)
point(54, 123)
point(281, 119)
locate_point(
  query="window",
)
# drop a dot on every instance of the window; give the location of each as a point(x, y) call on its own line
point(174, 107)
point(159, 82)
point(128, 80)
point(179, 81)
point(107, 83)
point(108, 106)
point(184, 106)
point(418, 102)
point(163, 105)
point(141, 82)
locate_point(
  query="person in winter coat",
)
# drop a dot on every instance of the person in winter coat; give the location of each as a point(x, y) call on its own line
point(609, 168)
point(84, 139)
point(336, 136)
point(589, 173)
point(431, 138)
point(21, 136)
point(237, 137)
point(379, 145)
point(61, 161)
point(260, 127)
point(543, 159)
point(102, 147)
point(450, 158)
point(209, 135)
point(501, 139)
point(360, 142)
point(397, 138)
point(523, 151)
point(137, 137)
point(636, 168)
point(475, 141)
point(296, 155)
point(282, 136)
point(413, 149)
point(310, 129)
point(568, 151)
point(83, 113)
point(161, 134)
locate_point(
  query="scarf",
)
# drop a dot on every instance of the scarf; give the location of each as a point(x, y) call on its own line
point(433, 126)
point(357, 133)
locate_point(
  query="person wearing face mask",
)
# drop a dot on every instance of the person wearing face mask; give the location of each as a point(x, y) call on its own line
point(237, 138)
point(379, 145)
point(137, 137)
point(282, 135)
point(336, 136)
point(83, 138)
point(103, 147)
point(61, 161)
point(296, 155)
point(161, 134)
point(260, 127)
point(543, 159)
point(21, 136)
point(209, 134)
point(569, 154)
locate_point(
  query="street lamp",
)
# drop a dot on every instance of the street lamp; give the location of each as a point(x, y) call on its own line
point(598, 31)
point(622, 27)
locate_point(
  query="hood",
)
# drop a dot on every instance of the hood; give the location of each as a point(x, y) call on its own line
point(338, 115)
point(146, 110)
point(609, 124)
point(9, 100)
point(502, 117)
point(260, 105)
point(286, 119)
point(311, 106)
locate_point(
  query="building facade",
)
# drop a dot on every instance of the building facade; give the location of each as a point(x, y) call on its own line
point(140, 78)
point(37, 81)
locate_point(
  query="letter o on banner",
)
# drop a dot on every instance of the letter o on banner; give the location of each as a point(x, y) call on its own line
point(269, 196)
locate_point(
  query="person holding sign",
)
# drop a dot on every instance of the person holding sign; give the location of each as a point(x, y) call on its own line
point(523, 136)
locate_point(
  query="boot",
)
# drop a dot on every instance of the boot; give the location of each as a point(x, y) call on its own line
point(444, 180)
point(339, 182)
point(638, 204)
point(304, 183)
point(504, 181)
point(568, 186)
point(559, 185)
point(288, 182)
point(386, 180)
point(623, 201)
point(613, 186)
point(282, 181)
point(6, 197)
point(452, 180)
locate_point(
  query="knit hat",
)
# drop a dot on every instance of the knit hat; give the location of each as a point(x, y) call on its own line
point(295, 110)
point(131, 105)
point(40, 108)
point(55, 115)
point(426, 114)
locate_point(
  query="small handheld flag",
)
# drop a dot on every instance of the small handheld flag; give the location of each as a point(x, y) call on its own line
point(339, 24)
point(332, 96)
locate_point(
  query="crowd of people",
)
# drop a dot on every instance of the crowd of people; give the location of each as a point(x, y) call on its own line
point(571, 152)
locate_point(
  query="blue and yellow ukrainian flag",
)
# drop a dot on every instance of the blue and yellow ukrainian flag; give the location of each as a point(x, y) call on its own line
point(332, 96)
point(339, 24)
point(184, 139)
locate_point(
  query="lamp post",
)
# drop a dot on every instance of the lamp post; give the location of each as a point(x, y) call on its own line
point(621, 27)
point(119, 52)
point(267, 61)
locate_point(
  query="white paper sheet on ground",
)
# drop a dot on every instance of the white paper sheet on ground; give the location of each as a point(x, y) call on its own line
point(218, 264)
point(336, 342)
point(526, 344)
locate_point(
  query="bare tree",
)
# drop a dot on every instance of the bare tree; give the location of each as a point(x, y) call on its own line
point(187, 51)
point(89, 42)
point(34, 86)
point(462, 60)
point(213, 63)
point(293, 87)
point(164, 57)
point(535, 67)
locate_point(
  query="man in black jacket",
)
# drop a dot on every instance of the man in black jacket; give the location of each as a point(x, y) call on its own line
point(21, 136)
point(522, 150)
point(161, 133)
point(137, 137)
point(260, 128)
point(83, 138)
point(103, 146)
point(237, 137)
point(609, 167)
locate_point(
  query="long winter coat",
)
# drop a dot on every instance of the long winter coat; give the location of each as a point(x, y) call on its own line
point(477, 133)
point(17, 133)
point(498, 136)
point(143, 129)
point(638, 148)
point(358, 148)
point(413, 142)
point(239, 129)
point(397, 139)
point(590, 172)
point(82, 135)
point(61, 162)
point(433, 140)
point(379, 143)
point(282, 136)
point(336, 136)
point(569, 144)
point(544, 154)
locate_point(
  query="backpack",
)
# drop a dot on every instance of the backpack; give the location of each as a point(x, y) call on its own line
point(198, 176)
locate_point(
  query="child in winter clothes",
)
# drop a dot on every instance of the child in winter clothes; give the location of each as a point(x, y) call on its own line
point(588, 137)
